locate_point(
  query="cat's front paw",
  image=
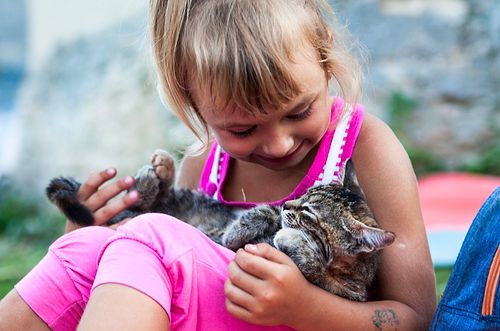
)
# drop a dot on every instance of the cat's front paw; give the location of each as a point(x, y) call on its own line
point(236, 235)
point(288, 241)
point(254, 226)
point(147, 183)
point(63, 192)
point(164, 166)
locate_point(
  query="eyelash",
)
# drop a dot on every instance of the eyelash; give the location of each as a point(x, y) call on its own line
point(243, 134)
point(296, 117)
point(300, 116)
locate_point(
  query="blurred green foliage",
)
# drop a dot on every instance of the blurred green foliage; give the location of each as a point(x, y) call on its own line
point(488, 163)
point(400, 109)
point(25, 218)
point(442, 276)
point(27, 227)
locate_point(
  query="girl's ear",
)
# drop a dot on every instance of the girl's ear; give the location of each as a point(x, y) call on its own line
point(368, 239)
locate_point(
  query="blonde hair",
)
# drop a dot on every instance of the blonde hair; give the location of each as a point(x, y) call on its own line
point(239, 52)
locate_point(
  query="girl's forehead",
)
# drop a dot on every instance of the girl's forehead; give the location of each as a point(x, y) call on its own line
point(306, 70)
point(232, 115)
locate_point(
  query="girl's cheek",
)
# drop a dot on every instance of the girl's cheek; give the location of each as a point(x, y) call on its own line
point(236, 147)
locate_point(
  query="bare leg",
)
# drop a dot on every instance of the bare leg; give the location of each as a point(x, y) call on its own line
point(16, 315)
point(117, 307)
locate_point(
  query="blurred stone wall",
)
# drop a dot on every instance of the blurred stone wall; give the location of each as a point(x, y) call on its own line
point(444, 55)
point(95, 102)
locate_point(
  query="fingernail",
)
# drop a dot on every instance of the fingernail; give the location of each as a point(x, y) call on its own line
point(251, 247)
point(110, 171)
point(129, 180)
point(133, 195)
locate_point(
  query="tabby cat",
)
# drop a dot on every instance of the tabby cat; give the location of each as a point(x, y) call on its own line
point(329, 232)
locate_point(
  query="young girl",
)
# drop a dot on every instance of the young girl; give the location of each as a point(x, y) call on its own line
point(255, 76)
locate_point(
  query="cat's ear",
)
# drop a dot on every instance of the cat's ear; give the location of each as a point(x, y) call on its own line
point(368, 239)
point(348, 178)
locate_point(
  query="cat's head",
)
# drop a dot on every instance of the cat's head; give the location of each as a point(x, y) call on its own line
point(336, 221)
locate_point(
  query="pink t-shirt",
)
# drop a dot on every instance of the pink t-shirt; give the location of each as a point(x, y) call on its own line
point(335, 149)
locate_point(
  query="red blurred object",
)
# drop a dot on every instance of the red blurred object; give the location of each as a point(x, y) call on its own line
point(450, 201)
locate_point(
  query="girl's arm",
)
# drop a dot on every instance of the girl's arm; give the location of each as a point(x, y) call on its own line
point(265, 287)
point(387, 178)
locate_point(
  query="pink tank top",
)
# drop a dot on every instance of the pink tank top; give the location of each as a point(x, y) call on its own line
point(335, 148)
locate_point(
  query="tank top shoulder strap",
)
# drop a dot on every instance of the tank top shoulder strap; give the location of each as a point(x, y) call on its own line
point(211, 171)
point(344, 139)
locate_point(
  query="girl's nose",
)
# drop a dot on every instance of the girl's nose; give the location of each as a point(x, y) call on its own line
point(277, 144)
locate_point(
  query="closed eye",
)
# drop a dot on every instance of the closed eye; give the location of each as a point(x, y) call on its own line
point(300, 116)
point(305, 208)
point(243, 133)
point(306, 211)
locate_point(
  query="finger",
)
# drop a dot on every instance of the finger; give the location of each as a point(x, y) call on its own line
point(255, 265)
point(243, 280)
point(238, 312)
point(122, 222)
point(268, 252)
point(102, 196)
point(95, 180)
point(105, 213)
point(238, 296)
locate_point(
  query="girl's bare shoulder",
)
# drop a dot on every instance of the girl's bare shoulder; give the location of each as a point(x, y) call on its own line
point(377, 143)
point(191, 167)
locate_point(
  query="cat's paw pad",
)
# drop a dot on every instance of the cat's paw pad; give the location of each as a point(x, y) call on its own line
point(163, 165)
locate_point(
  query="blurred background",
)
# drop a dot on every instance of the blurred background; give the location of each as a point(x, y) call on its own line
point(78, 93)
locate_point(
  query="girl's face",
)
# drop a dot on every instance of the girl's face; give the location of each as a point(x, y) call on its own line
point(280, 139)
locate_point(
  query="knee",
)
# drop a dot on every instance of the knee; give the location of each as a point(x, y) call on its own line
point(87, 239)
point(151, 224)
point(157, 231)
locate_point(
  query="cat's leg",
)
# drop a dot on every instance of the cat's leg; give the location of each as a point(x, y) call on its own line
point(256, 225)
point(154, 178)
point(164, 166)
point(63, 192)
point(304, 253)
point(147, 183)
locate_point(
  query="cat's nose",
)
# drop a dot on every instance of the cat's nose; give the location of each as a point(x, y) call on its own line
point(291, 204)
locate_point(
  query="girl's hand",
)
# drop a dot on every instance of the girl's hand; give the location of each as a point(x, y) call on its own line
point(264, 286)
point(97, 199)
